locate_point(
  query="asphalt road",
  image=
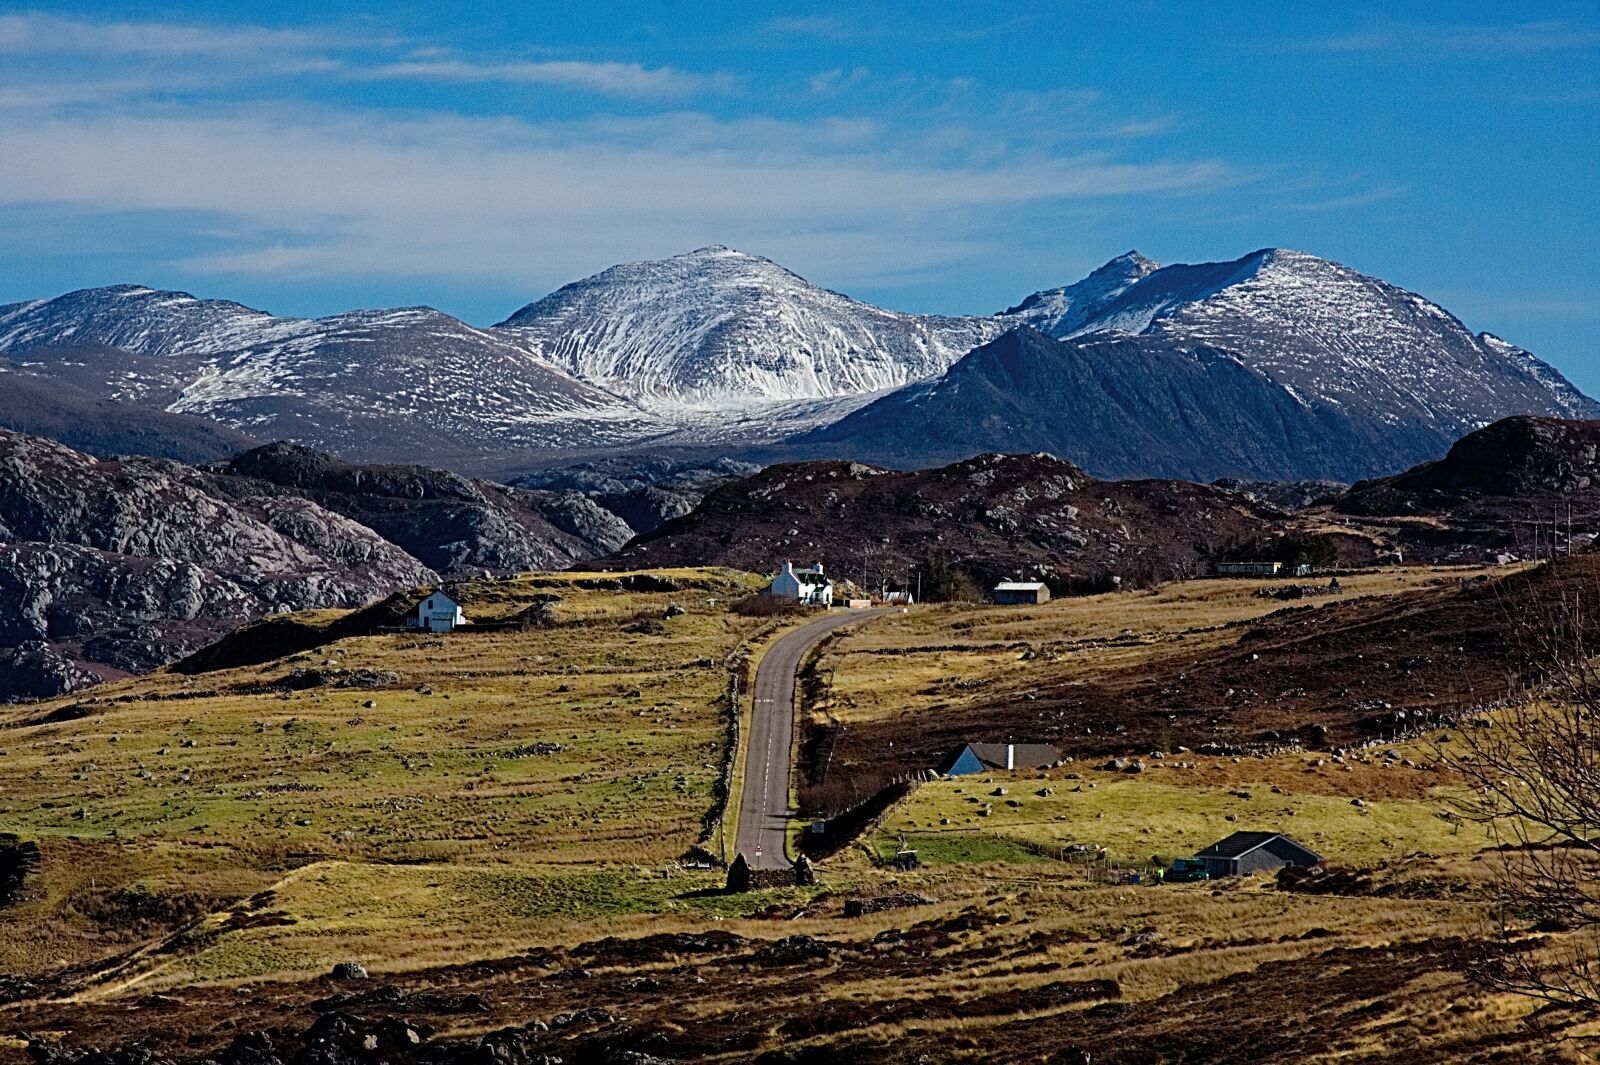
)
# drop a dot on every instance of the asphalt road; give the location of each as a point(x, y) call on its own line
point(764, 807)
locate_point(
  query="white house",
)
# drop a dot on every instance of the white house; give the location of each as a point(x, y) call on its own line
point(807, 586)
point(439, 612)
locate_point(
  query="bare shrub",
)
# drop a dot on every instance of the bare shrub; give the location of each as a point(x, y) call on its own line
point(1533, 770)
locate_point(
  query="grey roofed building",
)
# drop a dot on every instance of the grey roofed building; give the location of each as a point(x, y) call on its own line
point(1244, 853)
point(984, 757)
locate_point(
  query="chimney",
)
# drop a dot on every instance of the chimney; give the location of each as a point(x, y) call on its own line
point(1011, 756)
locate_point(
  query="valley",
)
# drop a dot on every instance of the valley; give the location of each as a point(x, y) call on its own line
point(506, 829)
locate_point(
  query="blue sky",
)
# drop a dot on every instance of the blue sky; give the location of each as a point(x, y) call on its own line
point(925, 156)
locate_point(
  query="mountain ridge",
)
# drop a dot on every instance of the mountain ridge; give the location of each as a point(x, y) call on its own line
point(718, 348)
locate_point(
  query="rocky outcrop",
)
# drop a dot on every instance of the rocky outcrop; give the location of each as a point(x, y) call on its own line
point(1521, 458)
point(453, 524)
point(961, 527)
point(116, 566)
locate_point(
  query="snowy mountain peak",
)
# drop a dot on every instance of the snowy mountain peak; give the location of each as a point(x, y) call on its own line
point(716, 326)
point(142, 320)
point(1067, 310)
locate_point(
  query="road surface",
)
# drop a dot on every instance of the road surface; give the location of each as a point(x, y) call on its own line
point(764, 807)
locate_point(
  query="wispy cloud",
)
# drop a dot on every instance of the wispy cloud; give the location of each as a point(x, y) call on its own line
point(1446, 40)
point(838, 80)
point(445, 196)
point(624, 79)
point(35, 33)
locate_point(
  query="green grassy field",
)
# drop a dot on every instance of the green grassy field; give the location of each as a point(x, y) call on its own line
point(592, 743)
point(534, 789)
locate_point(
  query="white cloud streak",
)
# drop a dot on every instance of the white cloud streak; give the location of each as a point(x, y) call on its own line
point(37, 33)
point(1435, 41)
point(328, 194)
point(624, 79)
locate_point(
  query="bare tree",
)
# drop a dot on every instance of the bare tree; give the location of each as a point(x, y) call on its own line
point(1533, 770)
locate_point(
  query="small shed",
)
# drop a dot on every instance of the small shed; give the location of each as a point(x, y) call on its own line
point(989, 757)
point(1012, 593)
point(1244, 853)
point(438, 612)
point(1249, 569)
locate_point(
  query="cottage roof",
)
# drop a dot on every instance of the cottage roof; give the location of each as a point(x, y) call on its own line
point(1241, 843)
point(440, 593)
point(1019, 586)
point(1024, 755)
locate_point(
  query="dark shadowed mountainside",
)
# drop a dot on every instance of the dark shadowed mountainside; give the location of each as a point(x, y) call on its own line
point(1119, 407)
point(104, 427)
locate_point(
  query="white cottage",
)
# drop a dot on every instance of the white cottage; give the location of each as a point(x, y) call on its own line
point(438, 612)
point(807, 586)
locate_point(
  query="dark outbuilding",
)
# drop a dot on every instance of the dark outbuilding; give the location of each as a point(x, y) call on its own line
point(1244, 853)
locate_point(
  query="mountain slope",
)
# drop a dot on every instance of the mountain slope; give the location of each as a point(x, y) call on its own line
point(1278, 365)
point(716, 326)
point(1118, 406)
point(64, 413)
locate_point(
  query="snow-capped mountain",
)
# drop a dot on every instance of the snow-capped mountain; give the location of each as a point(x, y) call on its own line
point(726, 350)
point(1279, 363)
point(1328, 333)
point(1073, 308)
point(717, 326)
point(412, 382)
point(418, 377)
point(145, 321)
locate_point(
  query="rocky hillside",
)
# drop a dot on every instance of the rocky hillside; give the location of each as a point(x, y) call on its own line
point(452, 524)
point(1522, 487)
point(1515, 458)
point(114, 566)
point(961, 527)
